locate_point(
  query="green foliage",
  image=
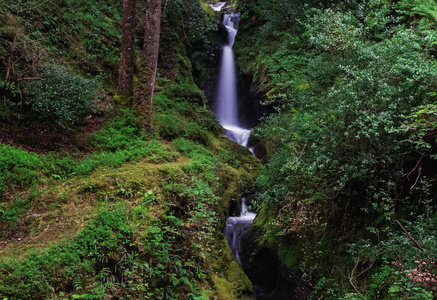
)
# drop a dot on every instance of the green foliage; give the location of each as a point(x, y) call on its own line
point(419, 128)
point(204, 162)
point(186, 90)
point(73, 28)
point(145, 244)
point(37, 274)
point(122, 133)
point(183, 114)
point(60, 98)
point(375, 83)
point(9, 216)
point(353, 93)
point(122, 141)
point(119, 142)
point(426, 9)
point(84, 34)
point(18, 167)
point(183, 35)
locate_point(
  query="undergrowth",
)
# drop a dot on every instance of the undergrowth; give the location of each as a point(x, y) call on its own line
point(119, 142)
point(154, 233)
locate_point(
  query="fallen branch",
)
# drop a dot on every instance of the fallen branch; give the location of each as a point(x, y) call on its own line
point(409, 235)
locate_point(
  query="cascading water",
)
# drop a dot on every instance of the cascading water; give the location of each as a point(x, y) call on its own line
point(236, 227)
point(227, 114)
point(261, 268)
point(227, 105)
point(218, 6)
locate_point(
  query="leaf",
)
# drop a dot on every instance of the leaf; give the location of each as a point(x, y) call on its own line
point(395, 289)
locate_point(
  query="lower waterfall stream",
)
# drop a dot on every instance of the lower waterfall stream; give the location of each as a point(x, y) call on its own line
point(236, 227)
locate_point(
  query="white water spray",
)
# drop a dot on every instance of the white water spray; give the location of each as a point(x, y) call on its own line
point(236, 227)
point(227, 114)
point(218, 6)
point(227, 104)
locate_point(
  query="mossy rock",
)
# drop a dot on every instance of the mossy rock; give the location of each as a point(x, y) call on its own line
point(226, 277)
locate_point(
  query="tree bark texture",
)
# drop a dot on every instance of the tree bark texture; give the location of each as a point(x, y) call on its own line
point(144, 88)
point(127, 56)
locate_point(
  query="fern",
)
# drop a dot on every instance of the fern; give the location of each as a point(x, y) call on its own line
point(426, 9)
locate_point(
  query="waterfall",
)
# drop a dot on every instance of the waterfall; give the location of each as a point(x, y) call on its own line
point(236, 227)
point(227, 114)
point(227, 102)
point(217, 6)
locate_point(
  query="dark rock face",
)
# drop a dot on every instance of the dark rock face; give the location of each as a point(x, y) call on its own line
point(209, 83)
point(269, 279)
point(258, 149)
point(250, 98)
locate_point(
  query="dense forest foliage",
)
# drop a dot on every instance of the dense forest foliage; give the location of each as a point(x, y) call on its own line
point(350, 182)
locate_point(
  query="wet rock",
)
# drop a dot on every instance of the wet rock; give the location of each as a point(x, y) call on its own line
point(271, 280)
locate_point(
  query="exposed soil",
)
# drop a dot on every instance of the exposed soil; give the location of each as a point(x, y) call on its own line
point(42, 138)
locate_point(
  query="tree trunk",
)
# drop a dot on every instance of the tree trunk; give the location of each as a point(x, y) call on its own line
point(143, 93)
point(127, 56)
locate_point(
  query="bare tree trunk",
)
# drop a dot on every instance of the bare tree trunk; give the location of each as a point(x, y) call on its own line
point(143, 93)
point(127, 56)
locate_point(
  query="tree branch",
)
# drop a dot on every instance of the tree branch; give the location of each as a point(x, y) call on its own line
point(409, 235)
point(351, 277)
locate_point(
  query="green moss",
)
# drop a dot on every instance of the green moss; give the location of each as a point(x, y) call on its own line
point(143, 93)
point(122, 101)
point(183, 69)
point(289, 256)
point(228, 281)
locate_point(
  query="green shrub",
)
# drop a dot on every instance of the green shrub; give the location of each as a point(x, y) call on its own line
point(185, 90)
point(165, 103)
point(342, 89)
point(170, 125)
point(59, 97)
point(9, 216)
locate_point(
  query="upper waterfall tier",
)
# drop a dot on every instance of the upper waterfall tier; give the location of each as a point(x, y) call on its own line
point(227, 102)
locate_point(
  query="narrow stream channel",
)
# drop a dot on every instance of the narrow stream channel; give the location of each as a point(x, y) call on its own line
point(227, 114)
point(236, 227)
point(262, 268)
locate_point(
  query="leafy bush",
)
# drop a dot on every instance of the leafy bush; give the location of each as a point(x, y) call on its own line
point(59, 97)
point(343, 88)
point(426, 9)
